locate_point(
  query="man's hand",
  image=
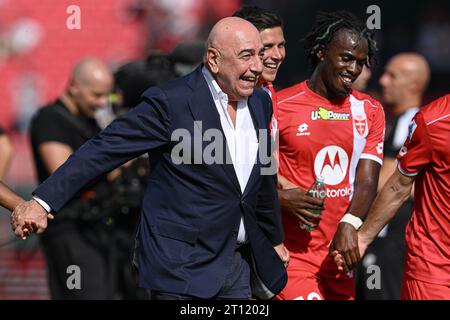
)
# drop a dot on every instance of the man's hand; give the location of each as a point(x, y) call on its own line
point(284, 183)
point(29, 217)
point(283, 253)
point(339, 258)
point(297, 203)
point(345, 243)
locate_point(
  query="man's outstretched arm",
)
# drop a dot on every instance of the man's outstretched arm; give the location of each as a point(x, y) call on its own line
point(8, 198)
point(390, 199)
point(143, 129)
point(394, 193)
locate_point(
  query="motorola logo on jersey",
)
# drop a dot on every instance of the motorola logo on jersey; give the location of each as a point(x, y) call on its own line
point(331, 163)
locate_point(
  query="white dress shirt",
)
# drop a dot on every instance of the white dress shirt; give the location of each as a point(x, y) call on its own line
point(242, 141)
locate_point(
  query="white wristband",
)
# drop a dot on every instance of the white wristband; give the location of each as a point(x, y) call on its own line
point(353, 220)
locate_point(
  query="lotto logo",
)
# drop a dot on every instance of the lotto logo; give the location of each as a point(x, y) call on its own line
point(302, 130)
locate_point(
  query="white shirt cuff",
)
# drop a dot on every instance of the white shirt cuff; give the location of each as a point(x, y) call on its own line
point(43, 203)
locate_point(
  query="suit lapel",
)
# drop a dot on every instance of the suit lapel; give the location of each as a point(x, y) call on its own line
point(203, 109)
point(255, 108)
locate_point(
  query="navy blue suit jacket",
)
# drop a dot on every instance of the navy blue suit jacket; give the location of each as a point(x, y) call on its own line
point(191, 212)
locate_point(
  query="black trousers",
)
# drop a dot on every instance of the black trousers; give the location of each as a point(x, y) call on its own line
point(86, 250)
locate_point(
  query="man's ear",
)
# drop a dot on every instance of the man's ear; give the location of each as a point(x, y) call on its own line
point(73, 87)
point(213, 59)
point(413, 86)
point(320, 53)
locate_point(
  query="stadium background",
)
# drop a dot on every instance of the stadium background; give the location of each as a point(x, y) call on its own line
point(37, 51)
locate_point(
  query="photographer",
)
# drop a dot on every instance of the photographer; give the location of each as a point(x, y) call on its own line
point(79, 235)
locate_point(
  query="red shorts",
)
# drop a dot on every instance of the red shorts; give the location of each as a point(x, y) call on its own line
point(413, 289)
point(307, 285)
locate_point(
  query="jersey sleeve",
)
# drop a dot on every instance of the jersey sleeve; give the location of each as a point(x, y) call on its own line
point(373, 149)
point(416, 151)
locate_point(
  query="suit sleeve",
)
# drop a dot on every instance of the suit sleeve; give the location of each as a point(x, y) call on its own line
point(144, 128)
point(268, 208)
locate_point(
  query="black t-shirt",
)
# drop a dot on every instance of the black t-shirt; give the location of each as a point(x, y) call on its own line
point(389, 150)
point(397, 125)
point(56, 123)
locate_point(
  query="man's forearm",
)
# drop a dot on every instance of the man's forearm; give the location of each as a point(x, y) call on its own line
point(395, 192)
point(8, 198)
point(362, 198)
point(365, 190)
point(6, 154)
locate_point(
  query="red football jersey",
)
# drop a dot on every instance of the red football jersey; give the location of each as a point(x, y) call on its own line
point(268, 87)
point(327, 138)
point(426, 153)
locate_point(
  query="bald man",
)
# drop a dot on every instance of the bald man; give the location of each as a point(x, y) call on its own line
point(403, 84)
point(210, 213)
point(74, 238)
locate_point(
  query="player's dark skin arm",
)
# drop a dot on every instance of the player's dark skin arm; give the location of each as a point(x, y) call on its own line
point(346, 237)
point(394, 193)
point(8, 198)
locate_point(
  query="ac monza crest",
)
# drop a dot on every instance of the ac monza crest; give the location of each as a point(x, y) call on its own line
point(360, 123)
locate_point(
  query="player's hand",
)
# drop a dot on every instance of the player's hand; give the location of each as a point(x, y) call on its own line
point(339, 261)
point(339, 258)
point(29, 217)
point(296, 202)
point(284, 183)
point(283, 253)
point(345, 242)
point(363, 243)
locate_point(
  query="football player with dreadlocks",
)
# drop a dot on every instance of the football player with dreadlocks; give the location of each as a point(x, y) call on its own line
point(328, 129)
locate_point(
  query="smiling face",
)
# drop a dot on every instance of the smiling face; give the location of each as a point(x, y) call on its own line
point(341, 62)
point(274, 52)
point(235, 60)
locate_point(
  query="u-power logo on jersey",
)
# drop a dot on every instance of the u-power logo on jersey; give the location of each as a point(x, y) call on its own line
point(332, 163)
point(325, 114)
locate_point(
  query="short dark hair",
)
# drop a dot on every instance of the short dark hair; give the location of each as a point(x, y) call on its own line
point(135, 77)
point(327, 25)
point(259, 17)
